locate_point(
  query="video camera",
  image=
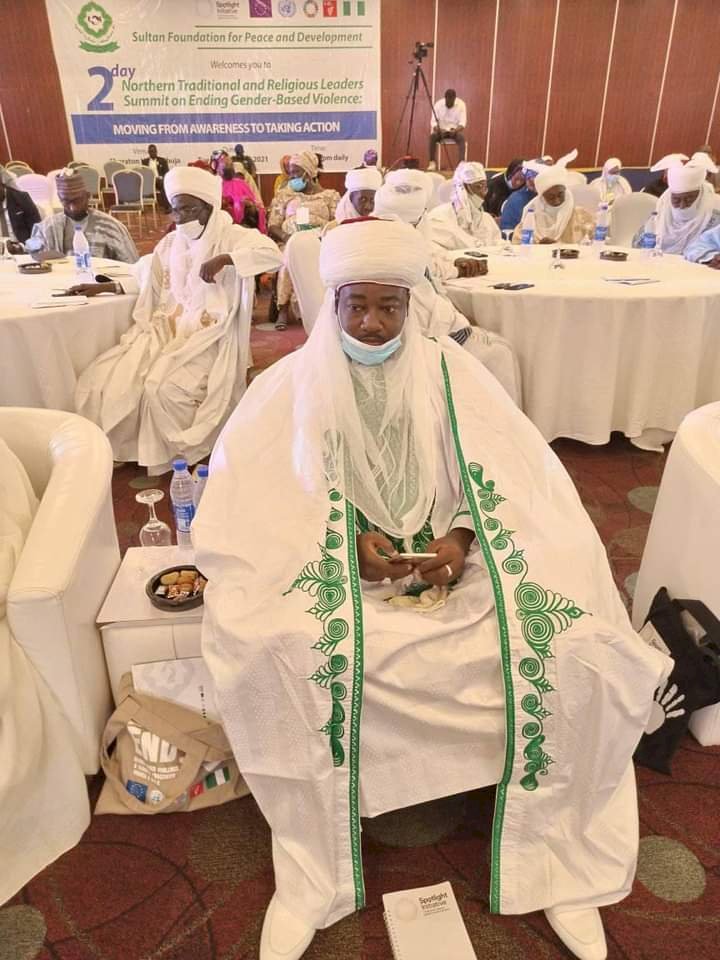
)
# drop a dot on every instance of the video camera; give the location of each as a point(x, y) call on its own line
point(421, 50)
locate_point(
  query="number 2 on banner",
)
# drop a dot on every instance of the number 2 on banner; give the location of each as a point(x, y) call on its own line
point(99, 102)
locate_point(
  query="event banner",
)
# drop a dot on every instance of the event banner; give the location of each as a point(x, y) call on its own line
point(192, 76)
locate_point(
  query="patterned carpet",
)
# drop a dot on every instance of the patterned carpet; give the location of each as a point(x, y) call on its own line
point(195, 886)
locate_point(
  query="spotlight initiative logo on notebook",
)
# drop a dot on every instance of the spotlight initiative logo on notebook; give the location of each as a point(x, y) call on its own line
point(426, 924)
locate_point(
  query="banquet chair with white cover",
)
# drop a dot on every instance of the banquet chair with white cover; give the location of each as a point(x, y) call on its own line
point(683, 544)
point(629, 213)
point(584, 196)
point(302, 257)
point(54, 199)
point(438, 180)
point(39, 189)
point(576, 179)
point(68, 561)
point(443, 192)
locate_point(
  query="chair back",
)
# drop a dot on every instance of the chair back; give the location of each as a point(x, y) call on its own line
point(443, 192)
point(110, 168)
point(18, 167)
point(302, 258)
point(128, 187)
point(148, 179)
point(585, 196)
point(629, 213)
point(77, 164)
point(36, 185)
point(91, 178)
point(575, 178)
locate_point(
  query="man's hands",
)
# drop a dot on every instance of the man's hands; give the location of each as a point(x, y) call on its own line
point(468, 267)
point(210, 269)
point(714, 263)
point(546, 240)
point(373, 566)
point(90, 289)
point(451, 551)
point(14, 246)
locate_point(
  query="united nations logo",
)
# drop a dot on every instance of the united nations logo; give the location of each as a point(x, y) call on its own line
point(287, 8)
point(96, 25)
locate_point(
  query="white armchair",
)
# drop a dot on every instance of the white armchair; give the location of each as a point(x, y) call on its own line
point(68, 562)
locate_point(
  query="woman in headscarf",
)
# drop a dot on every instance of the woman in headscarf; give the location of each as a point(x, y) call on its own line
point(687, 209)
point(359, 196)
point(557, 219)
point(318, 206)
point(463, 222)
point(502, 185)
point(610, 185)
point(166, 389)
point(282, 178)
point(238, 198)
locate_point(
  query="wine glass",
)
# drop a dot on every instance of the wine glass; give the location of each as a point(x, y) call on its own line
point(155, 533)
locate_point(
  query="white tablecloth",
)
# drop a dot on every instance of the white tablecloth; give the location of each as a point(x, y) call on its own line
point(42, 351)
point(597, 356)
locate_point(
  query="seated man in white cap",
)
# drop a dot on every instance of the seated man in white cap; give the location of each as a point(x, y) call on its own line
point(166, 389)
point(106, 236)
point(463, 222)
point(434, 312)
point(340, 698)
point(610, 184)
point(687, 209)
point(359, 196)
point(557, 218)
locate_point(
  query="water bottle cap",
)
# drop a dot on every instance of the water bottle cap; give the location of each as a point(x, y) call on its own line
point(179, 464)
point(202, 470)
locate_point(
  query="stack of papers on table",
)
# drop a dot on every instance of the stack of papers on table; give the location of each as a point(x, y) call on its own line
point(59, 302)
point(426, 924)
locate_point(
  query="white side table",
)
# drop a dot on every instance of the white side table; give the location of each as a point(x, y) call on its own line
point(135, 631)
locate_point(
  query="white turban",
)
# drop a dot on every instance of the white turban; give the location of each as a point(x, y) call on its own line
point(373, 251)
point(668, 161)
point(555, 176)
point(469, 172)
point(611, 164)
point(684, 178)
point(194, 182)
point(366, 178)
point(704, 160)
point(391, 204)
point(406, 180)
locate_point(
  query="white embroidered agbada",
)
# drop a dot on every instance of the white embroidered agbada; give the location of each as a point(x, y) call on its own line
point(463, 222)
point(339, 705)
point(565, 223)
point(44, 808)
point(678, 227)
point(610, 186)
point(364, 178)
point(165, 390)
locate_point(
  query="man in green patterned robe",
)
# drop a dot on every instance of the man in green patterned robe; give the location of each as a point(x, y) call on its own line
point(342, 699)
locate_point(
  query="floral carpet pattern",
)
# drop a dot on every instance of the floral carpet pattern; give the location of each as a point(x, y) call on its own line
point(195, 886)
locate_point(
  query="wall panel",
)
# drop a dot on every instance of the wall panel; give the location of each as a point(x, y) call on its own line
point(691, 79)
point(641, 38)
point(522, 71)
point(402, 23)
point(578, 80)
point(30, 88)
point(465, 33)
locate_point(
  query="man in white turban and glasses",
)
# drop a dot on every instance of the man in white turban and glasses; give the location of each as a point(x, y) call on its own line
point(687, 209)
point(166, 389)
point(557, 218)
point(463, 222)
point(353, 679)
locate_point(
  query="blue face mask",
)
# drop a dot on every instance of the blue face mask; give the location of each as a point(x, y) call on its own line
point(297, 184)
point(370, 355)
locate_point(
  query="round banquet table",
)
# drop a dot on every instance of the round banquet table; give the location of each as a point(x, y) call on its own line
point(43, 350)
point(597, 356)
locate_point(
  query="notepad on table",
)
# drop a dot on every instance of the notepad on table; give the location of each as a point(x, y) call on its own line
point(426, 924)
point(59, 302)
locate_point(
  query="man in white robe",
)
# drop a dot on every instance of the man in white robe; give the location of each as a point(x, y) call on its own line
point(524, 672)
point(435, 313)
point(610, 184)
point(687, 209)
point(166, 389)
point(359, 196)
point(463, 222)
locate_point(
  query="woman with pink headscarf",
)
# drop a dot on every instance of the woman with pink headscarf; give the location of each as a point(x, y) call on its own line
point(238, 198)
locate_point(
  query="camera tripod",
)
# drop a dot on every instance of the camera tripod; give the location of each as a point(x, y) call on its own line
point(418, 75)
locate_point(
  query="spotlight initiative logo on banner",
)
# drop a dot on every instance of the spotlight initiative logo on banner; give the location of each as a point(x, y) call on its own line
point(95, 23)
point(260, 8)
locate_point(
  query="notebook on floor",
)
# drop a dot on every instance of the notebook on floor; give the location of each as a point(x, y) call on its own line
point(426, 924)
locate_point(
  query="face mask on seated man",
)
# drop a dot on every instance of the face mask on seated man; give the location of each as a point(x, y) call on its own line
point(339, 700)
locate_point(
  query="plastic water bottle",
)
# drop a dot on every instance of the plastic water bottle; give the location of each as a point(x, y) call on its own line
point(648, 242)
point(81, 253)
point(201, 475)
point(527, 234)
point(602, 223)
point(181, 495)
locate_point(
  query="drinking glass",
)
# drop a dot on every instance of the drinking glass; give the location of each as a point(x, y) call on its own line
point(155, 533)
point(507, 245)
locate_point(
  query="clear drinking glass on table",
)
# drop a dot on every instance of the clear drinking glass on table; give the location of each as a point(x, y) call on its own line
point(507, 247)
point(154, 533)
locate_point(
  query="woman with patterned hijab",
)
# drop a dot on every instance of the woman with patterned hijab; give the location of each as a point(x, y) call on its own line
point(302, 192)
